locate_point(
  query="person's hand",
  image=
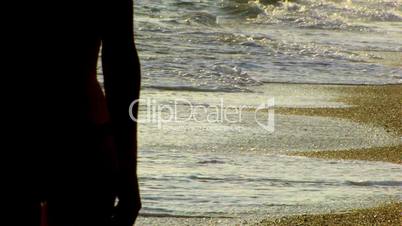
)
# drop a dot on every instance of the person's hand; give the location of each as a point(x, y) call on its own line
point(127, 212)
point(129, 202)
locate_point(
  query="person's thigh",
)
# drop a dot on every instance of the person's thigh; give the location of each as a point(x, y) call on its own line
point(26, 212)
point(80, 210)
point(82, 191)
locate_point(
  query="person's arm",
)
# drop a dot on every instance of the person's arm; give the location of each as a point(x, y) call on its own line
point(121, 70)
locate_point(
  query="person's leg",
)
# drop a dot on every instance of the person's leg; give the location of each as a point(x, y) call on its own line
point(21, 196)
point(82, 192)
point(28, 214)
point(21, 209)
point(80, 210)
point(84, 198)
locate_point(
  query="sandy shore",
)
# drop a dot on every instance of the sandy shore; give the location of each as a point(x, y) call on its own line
point(376, 105)
point(386, 215)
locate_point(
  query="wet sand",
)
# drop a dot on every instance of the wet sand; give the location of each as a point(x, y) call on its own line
point(386, 215)
point(376, 105)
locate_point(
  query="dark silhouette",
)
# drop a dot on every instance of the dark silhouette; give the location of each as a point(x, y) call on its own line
point(69, 145)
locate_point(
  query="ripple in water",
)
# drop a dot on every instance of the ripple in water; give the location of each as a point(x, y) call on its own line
point(186, 44)
point(248, 184)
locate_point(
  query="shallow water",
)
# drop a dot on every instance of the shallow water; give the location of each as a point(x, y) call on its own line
point(252, 185)
point(234, 45)
point(205, 50)
point(199, 168)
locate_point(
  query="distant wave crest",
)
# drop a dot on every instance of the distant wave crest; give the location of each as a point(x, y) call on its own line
point(375, 183)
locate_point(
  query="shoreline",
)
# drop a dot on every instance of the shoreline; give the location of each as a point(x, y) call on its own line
point(385, 214)
point(367, 105)
point(375, 105)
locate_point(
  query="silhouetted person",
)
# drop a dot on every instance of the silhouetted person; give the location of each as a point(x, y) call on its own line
point(68, 144)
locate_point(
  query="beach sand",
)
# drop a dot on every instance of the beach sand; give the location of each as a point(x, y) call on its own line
point(386, 215)
point(376, 105)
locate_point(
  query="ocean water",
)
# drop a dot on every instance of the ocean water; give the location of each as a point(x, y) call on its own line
point(238, 170)
point(233, 45)
point(203, 50)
